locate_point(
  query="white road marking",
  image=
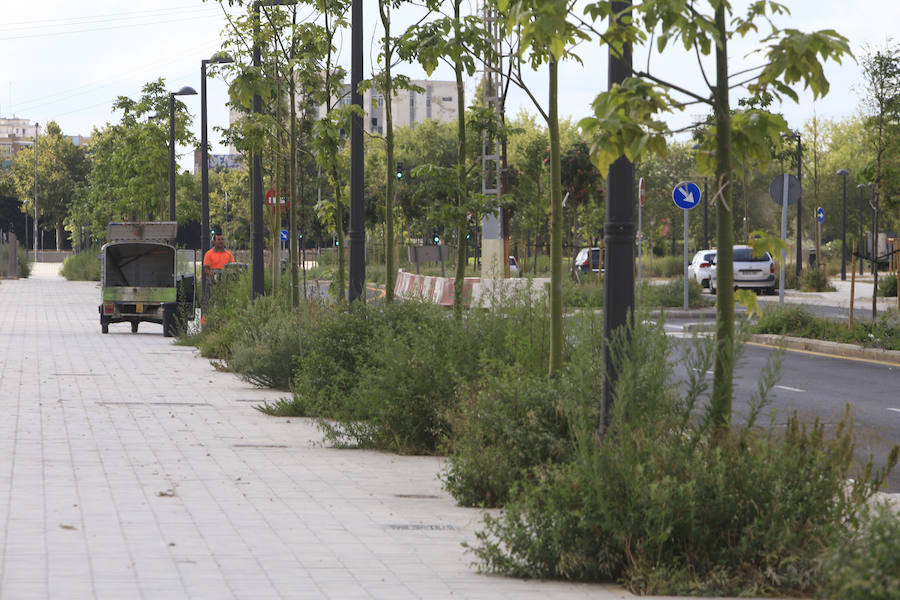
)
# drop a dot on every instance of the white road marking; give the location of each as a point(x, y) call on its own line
point(790, 389)
point(895, 409)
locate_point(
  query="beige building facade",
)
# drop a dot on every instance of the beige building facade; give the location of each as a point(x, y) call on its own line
point(15, 134)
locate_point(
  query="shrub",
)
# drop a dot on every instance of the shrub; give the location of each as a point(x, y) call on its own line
point(505, 425)
point(84, 266)
point(864, 563)
point(664, 506)
point(337, 346)
point(814, 279)
point(887, 285)
point(271, 336)
point(24, 263)
point(582, 294)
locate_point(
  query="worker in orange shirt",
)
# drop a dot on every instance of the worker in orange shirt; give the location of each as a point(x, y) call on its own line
point(217, 257)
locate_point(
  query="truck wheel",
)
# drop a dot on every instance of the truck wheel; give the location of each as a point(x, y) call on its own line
point(134, 326)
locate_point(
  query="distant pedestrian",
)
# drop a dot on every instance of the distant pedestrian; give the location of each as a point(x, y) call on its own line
point(217, 257)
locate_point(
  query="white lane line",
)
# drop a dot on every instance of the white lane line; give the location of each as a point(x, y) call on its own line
point(790, 389)
point(895, 409)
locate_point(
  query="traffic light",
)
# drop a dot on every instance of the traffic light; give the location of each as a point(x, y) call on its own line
point(399, 170)
point(435, 237)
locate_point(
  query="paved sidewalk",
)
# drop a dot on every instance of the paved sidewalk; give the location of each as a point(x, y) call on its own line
point(131, 468)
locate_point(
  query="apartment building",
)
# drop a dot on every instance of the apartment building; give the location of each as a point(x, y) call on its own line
point(15, 134)
point(436, 101)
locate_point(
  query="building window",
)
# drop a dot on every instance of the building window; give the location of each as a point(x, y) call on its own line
point(447, 99)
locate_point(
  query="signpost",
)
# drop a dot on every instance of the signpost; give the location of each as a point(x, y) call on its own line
point(686, 196)
point(784, 190)
point(820, 218)
point(642, 196)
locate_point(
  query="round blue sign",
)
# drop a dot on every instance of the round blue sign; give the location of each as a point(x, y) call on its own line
point(284, 235)
point(820, 214)
point(686, 195)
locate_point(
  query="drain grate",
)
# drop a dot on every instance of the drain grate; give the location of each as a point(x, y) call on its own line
point(259, 446)
point(421, 527)
point(126, 403)
point(418, 496)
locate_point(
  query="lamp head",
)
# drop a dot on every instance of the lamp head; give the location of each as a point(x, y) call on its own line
point(220, 58)
point(843, 172)
point(185, 91)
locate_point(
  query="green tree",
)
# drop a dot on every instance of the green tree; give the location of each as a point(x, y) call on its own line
point(61, 168)
point(546, 36)
point(128, 177)
point(626, 118)
point(457, 41)
point(881, 104)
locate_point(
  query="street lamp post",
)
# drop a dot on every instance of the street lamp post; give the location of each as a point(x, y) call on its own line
point(218, 58)
point(859, 242)
point(796, 136)
point(874, 204)
point(843, 173)
point(185, 91)
point(36, 129)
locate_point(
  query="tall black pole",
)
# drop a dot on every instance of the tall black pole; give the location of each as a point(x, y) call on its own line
point(619, 232)
point(860, 242)
point(171, 156)
point(204, 180)
point(357, 206)
point(257, 277)
point(875, 250)
point(843, 173)
point(799, 206)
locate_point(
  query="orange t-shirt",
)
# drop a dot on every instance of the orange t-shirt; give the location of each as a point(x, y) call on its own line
point(217, 260)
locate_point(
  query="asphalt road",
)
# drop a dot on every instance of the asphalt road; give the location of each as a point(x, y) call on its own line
point(821, 387)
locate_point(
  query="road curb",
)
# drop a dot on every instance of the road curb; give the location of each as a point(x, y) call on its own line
point(836, 348)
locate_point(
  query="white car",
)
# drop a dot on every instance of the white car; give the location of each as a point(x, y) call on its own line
point(701, 265)
point(589, 259)
point(752, 272)
point(513, 267)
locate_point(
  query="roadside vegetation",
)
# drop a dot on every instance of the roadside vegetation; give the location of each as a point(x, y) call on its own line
point(84, 266)
point(654, 504)
point(798, 321)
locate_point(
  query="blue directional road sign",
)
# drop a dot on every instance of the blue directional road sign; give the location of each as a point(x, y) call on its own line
point(284, 235)
point(820, 215)
point(686, 195)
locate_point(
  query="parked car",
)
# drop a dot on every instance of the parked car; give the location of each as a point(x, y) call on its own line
point(701, 265)
point(513, 267)
point(595, 263)
point(751, 272)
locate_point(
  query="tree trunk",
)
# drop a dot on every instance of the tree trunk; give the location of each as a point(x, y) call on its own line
point(556, 218)
point(461, 192)
point(723, 373)
point(389, 154)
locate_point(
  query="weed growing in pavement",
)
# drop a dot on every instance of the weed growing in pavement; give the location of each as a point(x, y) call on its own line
point(660, 505)
point(798, 321)
point(84, 266)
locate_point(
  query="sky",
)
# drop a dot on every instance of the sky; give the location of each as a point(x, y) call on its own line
point(68, 61)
